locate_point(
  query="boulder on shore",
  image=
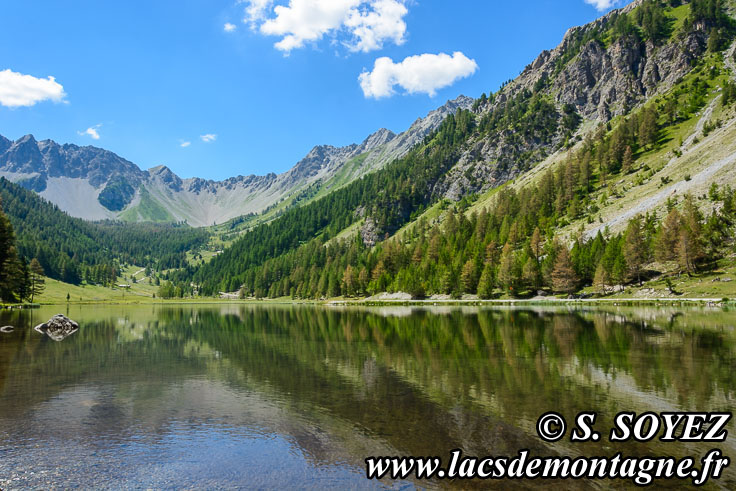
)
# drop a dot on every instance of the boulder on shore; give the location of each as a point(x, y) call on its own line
point(58, 328)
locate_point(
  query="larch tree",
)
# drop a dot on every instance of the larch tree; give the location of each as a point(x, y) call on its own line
point(648, 128)
point(602, 279)
point(468, 278)
point(536, 244)
point(628, 160)
point(690, 245)
point(635, 249)
point(665, 246)
point(507, 269)
point(564, 278)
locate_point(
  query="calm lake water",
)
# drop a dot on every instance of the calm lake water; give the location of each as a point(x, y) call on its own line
point(269, 396)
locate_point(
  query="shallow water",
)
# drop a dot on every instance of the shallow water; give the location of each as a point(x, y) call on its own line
point(291, 396)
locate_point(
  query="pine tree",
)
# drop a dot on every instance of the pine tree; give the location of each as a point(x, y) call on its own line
point(585, 172)
point(530, 273)
point(485, 285)
point(447, 281)
point(349, 281)
point(37, 278)
point(11, 270)
point(618, 272)
point(648, 128)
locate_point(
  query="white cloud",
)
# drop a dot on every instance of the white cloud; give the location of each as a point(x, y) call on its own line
point(602, 4)
point(424, 73)
point(228, 27)
point(372, 27)
point(256, 11)
point(208, 138)
point(363, 24)
point(17, 90)
point(91, 132)
point(185, 144)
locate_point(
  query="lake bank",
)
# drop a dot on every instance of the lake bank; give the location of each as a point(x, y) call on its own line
point(367, 302)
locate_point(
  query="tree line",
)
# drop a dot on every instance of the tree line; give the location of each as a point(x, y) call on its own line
point(19, 279)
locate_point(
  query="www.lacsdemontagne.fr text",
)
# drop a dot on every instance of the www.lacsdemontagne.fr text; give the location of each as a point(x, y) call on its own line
point(642, 471)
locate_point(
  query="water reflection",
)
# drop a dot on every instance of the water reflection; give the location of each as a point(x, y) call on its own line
point(319, 389)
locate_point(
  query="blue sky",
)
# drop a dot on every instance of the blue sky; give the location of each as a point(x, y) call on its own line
point(216, 88)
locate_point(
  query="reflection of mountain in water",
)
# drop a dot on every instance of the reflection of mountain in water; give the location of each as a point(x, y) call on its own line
point(344, 384)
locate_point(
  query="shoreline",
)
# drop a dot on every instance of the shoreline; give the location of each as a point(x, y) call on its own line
point(628, 301)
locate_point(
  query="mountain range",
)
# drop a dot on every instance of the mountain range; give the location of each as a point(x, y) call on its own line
point(96, 184)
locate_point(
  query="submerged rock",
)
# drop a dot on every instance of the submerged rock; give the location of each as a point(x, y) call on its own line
point(58, 328)
point(7, 329)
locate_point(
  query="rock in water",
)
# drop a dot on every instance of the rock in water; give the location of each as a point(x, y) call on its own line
point(7, 329)
point(58, 328)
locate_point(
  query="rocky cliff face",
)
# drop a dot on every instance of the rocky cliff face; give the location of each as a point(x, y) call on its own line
point(603, 82)
point(94, 184)
point(590, 78)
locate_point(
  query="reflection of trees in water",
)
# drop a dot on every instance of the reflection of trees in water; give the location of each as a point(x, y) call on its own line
point(455, 342)
point(423, 382)
point(514, 362)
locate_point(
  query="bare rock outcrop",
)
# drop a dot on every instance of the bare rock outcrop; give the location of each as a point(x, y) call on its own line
point(58, 328)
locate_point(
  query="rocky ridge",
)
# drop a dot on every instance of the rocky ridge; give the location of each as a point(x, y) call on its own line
point(94, 184)
point(583, 77)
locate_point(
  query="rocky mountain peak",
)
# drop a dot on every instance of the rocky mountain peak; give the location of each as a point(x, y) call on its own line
point(26, 140)
point(23, 155)
point(604, 80)
point(166, 176)
point(377, 139)
point(436, 116)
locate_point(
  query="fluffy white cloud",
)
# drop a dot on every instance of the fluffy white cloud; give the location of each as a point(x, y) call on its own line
point(185, 144)
point(424, 73)
point(602, 4)
point(363, 24)
point(256, 11)
point(372, 27)
point(17, 90)
point(208, 138)
point(91, 131)
point(228, 27)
